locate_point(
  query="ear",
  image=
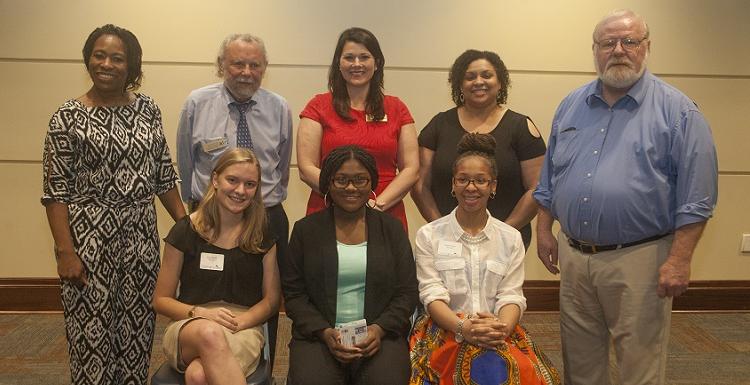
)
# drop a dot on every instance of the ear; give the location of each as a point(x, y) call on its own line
point(214, 179)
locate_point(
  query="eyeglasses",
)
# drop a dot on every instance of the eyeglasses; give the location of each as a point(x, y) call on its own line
point(628, 44)
point(343, 182)
point(478, 182)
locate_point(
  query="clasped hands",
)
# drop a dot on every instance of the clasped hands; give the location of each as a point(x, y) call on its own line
point(367, 348)
point(486, 331)
point(223, 317)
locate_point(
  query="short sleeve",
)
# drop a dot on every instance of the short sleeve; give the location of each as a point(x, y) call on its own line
point(181, 235)
point(314, 109)
point(402, 112)
point(527, 146)
point(165, 177)
point(428, 137)
point(58, 160)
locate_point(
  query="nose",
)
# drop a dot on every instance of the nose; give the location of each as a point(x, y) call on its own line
point(472, 184)
point(107, 62)
point(618, 48)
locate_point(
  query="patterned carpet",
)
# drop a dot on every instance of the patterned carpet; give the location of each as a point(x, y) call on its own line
point(705, 348)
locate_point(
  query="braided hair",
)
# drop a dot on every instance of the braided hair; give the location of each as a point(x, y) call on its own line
point(481, 145)
point(333, 161)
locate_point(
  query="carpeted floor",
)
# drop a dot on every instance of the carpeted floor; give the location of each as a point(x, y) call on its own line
point(705, 348)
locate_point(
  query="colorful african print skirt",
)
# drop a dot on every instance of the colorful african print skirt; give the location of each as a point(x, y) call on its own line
point(437, 359)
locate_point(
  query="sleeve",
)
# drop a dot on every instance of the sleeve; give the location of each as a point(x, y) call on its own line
point(185, 159)
point(165, 177)
point(314, 109)
point(285, 147)
point(402, 112)
point(696, 167)
point(527, 146)
point(179, 235)
point(543, 192)
point(396, 316)
point(431, 286)
point(305, 315)
point(510, 290)
point(428, 137)
point(58, 160)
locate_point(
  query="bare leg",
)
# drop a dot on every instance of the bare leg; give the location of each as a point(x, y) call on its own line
point(194, 374)
point(204, 339)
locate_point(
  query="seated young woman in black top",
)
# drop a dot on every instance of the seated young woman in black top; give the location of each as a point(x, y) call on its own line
point(224, 262)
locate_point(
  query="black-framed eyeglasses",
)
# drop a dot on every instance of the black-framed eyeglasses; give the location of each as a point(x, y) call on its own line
point(478, 182)
point(629, 44)
point(343, 182)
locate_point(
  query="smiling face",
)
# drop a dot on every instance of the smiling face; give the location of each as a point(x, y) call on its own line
point(620, 68)
point(350, 186)
point(243, 66)
point(108, 65)
point(473, 196)
point(236, 186)
point(357, 65)
point(480, 85)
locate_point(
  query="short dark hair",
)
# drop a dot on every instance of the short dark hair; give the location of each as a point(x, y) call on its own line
point(333, 161)
point(337, 84)
point(481, 145)
point(133, 52)
point(459, 67)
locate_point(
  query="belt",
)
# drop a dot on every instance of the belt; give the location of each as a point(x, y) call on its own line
point(588, 248)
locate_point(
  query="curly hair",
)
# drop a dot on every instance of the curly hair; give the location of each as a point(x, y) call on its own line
point(333, 161)
point(459, 67)
point(337, 84)
point(207, 222)
point(133, 52)
point(481, 145)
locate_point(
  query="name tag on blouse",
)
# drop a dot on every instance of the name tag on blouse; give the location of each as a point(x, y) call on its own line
point(212, 145)
point(370, 118)
point(449, 249)
point(211, 261)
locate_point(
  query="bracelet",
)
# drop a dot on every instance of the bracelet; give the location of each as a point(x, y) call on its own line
point(191, 312)
point(460, 331)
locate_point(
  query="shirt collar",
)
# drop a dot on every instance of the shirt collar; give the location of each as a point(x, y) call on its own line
point(456, 231)
point(637, 92)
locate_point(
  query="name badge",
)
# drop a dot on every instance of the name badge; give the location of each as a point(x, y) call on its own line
point(211, 145)
point(370, 118)
point(211, 261)
point(449, 249)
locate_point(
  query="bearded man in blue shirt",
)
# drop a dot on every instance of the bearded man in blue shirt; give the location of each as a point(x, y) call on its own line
point(631, 175)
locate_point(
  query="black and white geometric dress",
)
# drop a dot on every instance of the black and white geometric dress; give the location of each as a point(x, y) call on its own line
point(107, 164)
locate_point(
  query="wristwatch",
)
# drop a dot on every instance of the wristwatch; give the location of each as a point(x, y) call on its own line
point(460, 331)
point(191, 312)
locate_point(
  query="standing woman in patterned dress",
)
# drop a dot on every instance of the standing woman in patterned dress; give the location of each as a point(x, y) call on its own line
point(105, 158)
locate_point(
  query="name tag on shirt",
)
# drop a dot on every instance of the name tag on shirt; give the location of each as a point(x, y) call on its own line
point(211, 145)
point(449, 249)
point(211, 261)
point(370, 118)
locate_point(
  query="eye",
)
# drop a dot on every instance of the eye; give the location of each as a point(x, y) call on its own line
point(251, 184)
point(231, 179)
point(470, 76)
point(488, 75)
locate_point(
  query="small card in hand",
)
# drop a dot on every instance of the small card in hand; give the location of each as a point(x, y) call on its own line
point(353, 332)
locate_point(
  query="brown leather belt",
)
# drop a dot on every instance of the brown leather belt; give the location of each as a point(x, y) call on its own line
point(588, 248)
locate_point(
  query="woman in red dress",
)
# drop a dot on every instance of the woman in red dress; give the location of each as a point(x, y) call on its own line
point(356, 111)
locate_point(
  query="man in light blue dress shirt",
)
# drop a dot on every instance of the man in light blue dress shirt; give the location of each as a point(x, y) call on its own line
point(631, 175)
point(209, 125)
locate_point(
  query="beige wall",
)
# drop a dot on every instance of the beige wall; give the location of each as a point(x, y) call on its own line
point(700, 47)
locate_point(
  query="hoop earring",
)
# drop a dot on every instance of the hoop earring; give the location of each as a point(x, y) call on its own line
point(374, 199)
point(499, 97)
point(492, 195)
point(453, 193)
point(461, 97)
point(325, 200)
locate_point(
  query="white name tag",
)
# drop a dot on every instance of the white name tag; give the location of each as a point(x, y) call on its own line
point(450, 249)
point(211, 145)
point(210, 261)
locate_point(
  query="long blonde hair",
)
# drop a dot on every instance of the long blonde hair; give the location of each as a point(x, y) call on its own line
point(207, 222)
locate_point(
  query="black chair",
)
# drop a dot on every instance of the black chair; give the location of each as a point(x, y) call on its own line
point(263, 375)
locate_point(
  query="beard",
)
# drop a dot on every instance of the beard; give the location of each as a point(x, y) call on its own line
point(620, 73)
